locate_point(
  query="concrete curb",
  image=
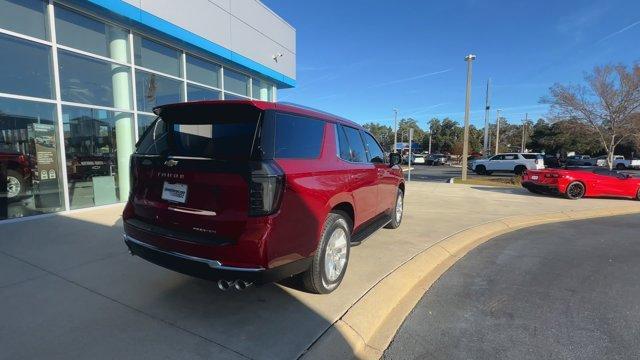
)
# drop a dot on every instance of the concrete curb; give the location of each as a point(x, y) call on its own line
point(368, 327)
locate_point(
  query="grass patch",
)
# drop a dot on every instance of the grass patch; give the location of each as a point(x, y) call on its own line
point(491, 181)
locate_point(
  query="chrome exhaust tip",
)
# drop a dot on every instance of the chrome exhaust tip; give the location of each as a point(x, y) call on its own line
point(224, 285)
point(241, 284)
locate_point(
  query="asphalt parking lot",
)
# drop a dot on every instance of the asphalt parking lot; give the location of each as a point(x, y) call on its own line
point(558, 291)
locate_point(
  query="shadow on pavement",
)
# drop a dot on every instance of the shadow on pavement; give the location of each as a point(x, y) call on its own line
point(69, 289)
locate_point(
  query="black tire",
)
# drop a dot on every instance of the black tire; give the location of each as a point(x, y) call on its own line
point(638, 195)
point(316, 279)
point(575, 191)
point(620, 167)
point(395, 219)
point(520, 169)
point(480, 170)
point(534, 191)
point(16, 186)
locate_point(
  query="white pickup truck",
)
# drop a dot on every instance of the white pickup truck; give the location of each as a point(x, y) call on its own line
point(619, 162)
point(513, 162)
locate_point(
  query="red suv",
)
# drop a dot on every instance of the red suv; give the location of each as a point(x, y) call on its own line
point(249, 192)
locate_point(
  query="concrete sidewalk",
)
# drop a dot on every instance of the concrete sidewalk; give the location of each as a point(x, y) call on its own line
point(69, 289)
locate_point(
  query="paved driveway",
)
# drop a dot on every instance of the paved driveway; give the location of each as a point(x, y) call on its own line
point(69, 289)
point(558, 291)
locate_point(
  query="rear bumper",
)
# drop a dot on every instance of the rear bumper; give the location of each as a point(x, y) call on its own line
point(542, 188)
point(211, 269)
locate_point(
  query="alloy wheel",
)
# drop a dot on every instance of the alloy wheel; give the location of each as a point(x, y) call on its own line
point(13, 187)
point(335, 257)
point(399, 208)
point(576, 190)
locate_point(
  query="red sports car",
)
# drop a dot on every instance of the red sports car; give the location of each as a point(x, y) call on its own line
point(575, 184)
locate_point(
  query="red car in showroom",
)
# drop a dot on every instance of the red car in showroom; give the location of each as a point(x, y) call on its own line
point(575, 184)
point(249, 192)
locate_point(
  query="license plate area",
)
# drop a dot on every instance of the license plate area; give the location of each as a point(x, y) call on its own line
point(174, 192)
point(534, 177)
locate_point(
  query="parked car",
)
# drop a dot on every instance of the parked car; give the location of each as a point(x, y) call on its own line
point(511, 162)
point(619, 162)
point(19, 175)
point(580, 160)
point(249, 192)
point(437, 159)
point(415, 159)
point(575, 184)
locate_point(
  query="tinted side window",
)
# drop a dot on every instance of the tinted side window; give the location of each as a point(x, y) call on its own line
point(511, 157)
point(343, 144)
point(357, 152)
point(498, 157)
point(298, 137)
point(376, 155)
point(531, 156)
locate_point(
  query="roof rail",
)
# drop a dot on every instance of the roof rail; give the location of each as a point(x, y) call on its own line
point(314, 109)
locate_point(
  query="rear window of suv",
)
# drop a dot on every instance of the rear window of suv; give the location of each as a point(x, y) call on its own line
point(220, 133)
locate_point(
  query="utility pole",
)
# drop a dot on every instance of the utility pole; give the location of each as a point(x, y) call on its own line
point(465, 145)
point(430, 134)
point(410, 148)
point(395, 131)
point(524, 124)
point(487, 107)
point(498, 131)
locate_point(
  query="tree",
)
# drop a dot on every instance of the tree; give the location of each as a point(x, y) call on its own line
point(607, 104)
point(403, 130)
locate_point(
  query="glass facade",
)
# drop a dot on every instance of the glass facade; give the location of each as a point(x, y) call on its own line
point(72, 111)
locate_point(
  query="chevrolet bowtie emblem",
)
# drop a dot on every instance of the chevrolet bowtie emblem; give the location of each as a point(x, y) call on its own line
point(171, 163)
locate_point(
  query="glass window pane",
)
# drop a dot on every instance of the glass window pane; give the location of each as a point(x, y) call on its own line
point(92, 166)
point(343, 144)
point(29, 145)
point(201, 93)
point(25, 68)
point(81, 32)
point(356, 147)
point(376, 155)
point(25, 16)
point(236, 82)
point(262, 90)
point(203, 71)
point(91, 81)
point(144, 121)
point(298, 137)
point(155, 56)
point(228, 96)
point(153, 90)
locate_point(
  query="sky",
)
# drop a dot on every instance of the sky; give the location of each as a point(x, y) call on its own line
point(361, 59)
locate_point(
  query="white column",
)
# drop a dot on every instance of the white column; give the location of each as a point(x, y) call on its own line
point(120, 78)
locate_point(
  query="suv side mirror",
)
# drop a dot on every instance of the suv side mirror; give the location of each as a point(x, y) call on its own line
point(394, 159)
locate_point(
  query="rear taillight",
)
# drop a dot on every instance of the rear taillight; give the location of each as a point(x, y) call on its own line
point(265, 188)
point(552, 175)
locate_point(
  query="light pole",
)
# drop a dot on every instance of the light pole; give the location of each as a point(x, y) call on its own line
point(465, 144)
point(498, 132)
point(395, 131)
point(487, 107)
point(524, 124)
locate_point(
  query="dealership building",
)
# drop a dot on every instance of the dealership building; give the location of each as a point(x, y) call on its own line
point(79, 80)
